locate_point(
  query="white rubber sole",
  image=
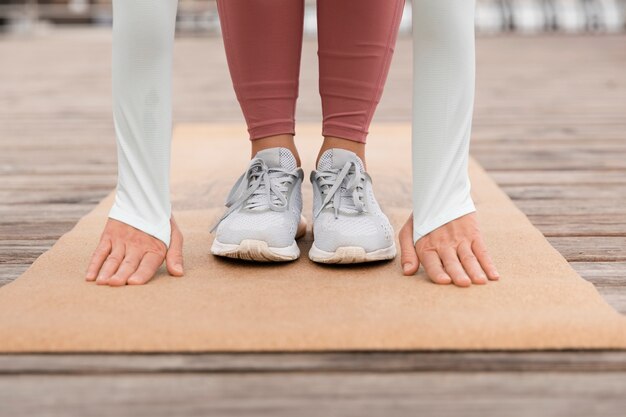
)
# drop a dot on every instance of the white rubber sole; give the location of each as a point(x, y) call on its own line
point(260, 250)
point(351, 255)
point(255, 250)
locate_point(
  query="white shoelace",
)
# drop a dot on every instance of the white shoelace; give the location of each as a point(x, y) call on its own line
point(330, 182)
point(260, 187)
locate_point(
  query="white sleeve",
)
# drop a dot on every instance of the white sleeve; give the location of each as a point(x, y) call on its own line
point(143, 38)
point(443, 100)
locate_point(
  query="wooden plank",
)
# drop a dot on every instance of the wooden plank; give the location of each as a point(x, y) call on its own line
point(8, 272)
point(70, 167)
point(335, 394)
point(577, 206)
point(57, 182)
point(546, 159)
point(613, 192)
point(557, 177)
point(581, 225)
point(42, 212)
point(18, 252)
point(384, 362)
point(591, 248)
point(50, 229)
point(605, 274)
point(67, 196)
point(615, 296)
point(85, 154)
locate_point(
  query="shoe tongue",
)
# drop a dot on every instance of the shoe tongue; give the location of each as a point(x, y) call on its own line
point(277, 158)
point(336, 159)
point(273, 158)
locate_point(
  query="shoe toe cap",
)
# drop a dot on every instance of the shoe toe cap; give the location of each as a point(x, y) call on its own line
point(366, 231)
point(276, 229)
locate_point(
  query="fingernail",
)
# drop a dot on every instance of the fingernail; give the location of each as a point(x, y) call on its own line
point(406, 267)
point(178, 268)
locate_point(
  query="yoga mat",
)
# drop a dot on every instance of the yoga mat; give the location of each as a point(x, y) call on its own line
point(226, 305)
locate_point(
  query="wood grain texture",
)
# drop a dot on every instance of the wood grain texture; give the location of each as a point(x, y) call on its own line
point(350, 362)
point(328, 394)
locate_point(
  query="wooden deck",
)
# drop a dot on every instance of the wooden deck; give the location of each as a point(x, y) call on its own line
point(550, 127)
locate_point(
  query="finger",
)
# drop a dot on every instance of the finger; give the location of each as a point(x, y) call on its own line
point(129, 265)
point(453, 267)
point(470, 264)
point(174, 256)
point(111, 264)
point(434, 269)
point(147, 268)
point(408, 255)
point(97, 259)
point(480, 250)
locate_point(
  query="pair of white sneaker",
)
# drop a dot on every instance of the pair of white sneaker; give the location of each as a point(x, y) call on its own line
point(264, 212)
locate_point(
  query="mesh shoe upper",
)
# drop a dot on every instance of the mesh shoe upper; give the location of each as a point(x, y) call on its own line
point(345, 210)
point(266, 201)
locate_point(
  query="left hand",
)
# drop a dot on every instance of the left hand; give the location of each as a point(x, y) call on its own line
point(453, 253)
point(126, 255)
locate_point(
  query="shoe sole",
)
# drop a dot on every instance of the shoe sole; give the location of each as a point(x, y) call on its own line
point(255, 250)
point(260, 250)
point(351, 255)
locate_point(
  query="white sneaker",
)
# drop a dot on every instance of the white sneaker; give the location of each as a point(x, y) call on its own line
point(348, 224)
point(264, 215)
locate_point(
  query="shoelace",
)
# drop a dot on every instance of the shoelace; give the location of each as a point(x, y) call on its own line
point(330, 182)
point(259, 187)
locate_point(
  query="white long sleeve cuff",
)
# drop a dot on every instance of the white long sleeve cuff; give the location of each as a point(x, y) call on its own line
point(143, 40)
point(443, 99)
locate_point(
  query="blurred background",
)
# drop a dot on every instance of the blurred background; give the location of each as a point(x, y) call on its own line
point(492, 16)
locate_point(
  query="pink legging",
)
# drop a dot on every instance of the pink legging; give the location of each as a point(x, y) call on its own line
point(263, 42)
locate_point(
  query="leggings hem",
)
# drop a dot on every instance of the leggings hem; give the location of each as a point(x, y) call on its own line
point(345, 133)
point(272, 130)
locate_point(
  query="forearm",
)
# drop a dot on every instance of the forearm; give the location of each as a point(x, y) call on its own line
point(443, 97)
point(143, 35)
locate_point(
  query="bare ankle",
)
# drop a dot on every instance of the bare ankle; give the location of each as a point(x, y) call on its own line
point(282, 141)
point(331, 142)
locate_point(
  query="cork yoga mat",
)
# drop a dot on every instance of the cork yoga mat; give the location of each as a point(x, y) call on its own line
point(225, 305)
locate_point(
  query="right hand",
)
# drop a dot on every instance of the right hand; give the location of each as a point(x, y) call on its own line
point(452, 253)
point(126, 255)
